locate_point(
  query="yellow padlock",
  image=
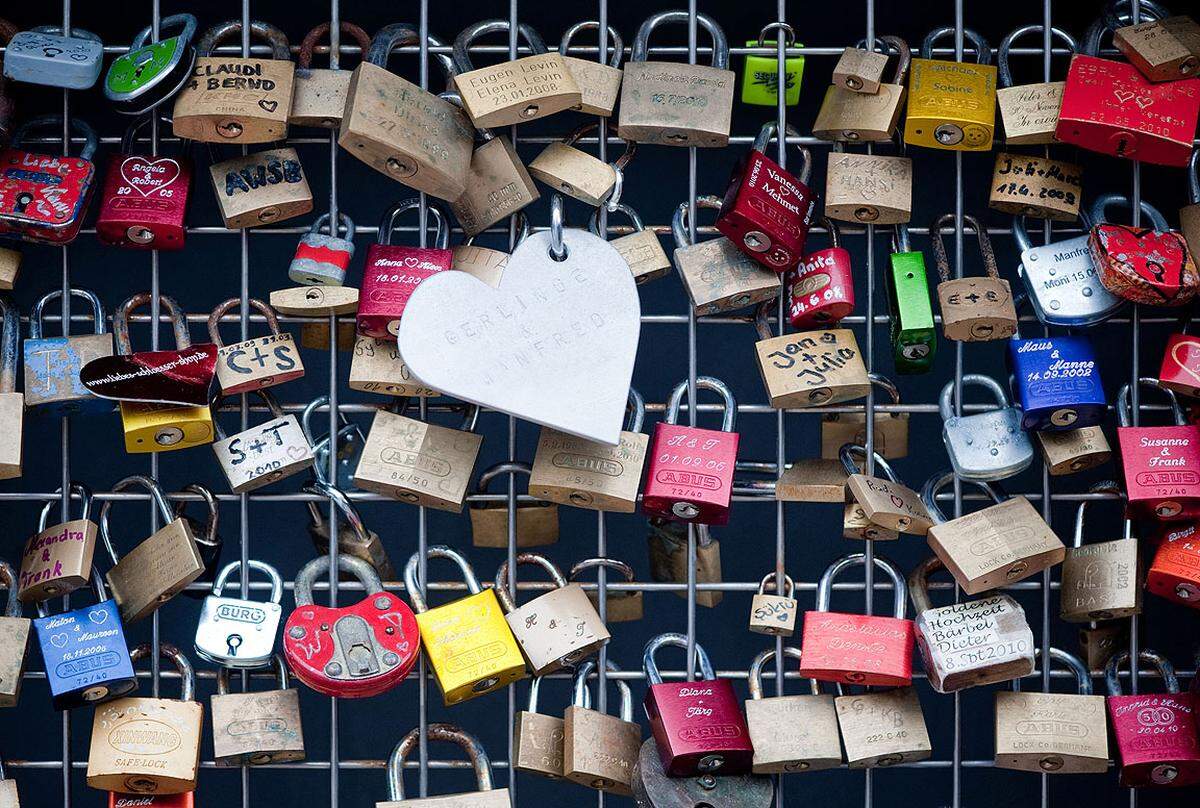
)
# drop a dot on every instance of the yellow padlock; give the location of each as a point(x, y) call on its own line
point(468, 642)
point(159, 427)
point(951, 105)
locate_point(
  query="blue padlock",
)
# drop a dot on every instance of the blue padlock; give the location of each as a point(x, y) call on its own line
point(52, 364)
point(44, 56)
point(85, 653)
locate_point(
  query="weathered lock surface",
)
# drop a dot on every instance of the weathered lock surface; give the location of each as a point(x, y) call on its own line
point(858, 117)
point(1171, 754)
point(143, 203)
point(1100, 581)
point(320, 259)
point(148, 74)
point(599, 83)
point(536, 521)
point(235, 632)
point(973, 309)
point(812, 480)
point(485, 797)
point(988, 445)
point(1063, 285)
point(621, 606)
point(951, 105)
point(52, 364)
point(859, 70)
point(498, 185)
point(43, 197)
point(377, 367)
point(790, 733)
point(538, 738)
point(717, 275)
point(58, 560)
point(1036, 186)
point(45, 55)
point(1057, 382)
point(255, 363)
point(15, 632)
point(653, 787)
point(886, 501)
point(253, 728)
point(354, 538)
point(10, 266)
point(1166, 49)
point(578, 174)
point(774, 614)
point(891, 428)
point(812, 368)
point(856, 524)
point(1029, 112)
point(883, 729)
point(868, 188)
point(318, 95)
point(668, 547)
point(1074, 450)
point(263, 188)
point(12, 403)
point(600, 750)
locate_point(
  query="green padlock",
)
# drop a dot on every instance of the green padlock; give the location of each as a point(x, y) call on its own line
point(914, 339)
point(760, 79)
point(148, 74)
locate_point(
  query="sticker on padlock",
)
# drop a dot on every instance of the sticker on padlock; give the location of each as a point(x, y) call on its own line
point(144, 200)
point(15, 632)
point(760, 73)
point(43, 197)
point(320, 259)
point(53, 364)
point(255, 728)
point(952, 105)
point(319, 95)
point(990, 445)
point(45, 55)
point(599, 83)
point(237, 632)
point(790, 733)
point(393, 272)
point(256, 363)
point(58, 560)
point(149, 73)
point(1029, 112)
point(264, 453)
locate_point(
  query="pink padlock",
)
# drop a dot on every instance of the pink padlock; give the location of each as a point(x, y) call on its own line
point(392, 272)
point(821, 289)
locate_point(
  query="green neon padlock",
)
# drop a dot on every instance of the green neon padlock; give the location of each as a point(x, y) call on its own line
point(914, 339)
point(760, 79)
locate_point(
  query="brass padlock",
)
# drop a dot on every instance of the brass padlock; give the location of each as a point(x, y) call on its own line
point(600, 750)
point(263, 453)
point(207, 538)
point(9, 798)
point(484, 797)
point(498, 184)
point(620, 606)
point(952, 105)
point(808, 368)
point(790, 733)
point(538, 738)
point(555, 629)
point(855, 523)
point(354, 539)
point(256, 363)
point(774, 614)
point(1036, 186)
point(52, 364)
point(10, 261)
point(250, 729)
point(586, 474)
point(231, 99)
point(164, 732)
point(1166, 49)
point(263, 188)
point(536, 521)
point(319, 97)
point(58, 560)
point(886, 502)
point(485, 263)
point(318, 301)
point(973, 309)
point(812, 480)
point(641, 249)
point(859, 70)
point(1099, 641)
point(159, 567)
point(14, 642)
point(576, 173)
point(868, 188)
point(1029, 112)
point(1100, 581)
point(668, 545)
point(1074, 450)
point(891, 428)
point(599, 83)
point(883, 729)
point(855, 117)
point(513, 92)
point(717, 275)
point(377, 367)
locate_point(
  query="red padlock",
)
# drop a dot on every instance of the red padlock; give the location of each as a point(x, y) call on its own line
point(858, 649)
point(350, 651)
point(1180, 368)
point(42, 196)
point(767, 210)
point(821, 289)
point(184, 800)
point(1157, 743)
point(1149, 265)
point(698, 726)
point(1161, 463)
point(690, 475)
point(144, 200)
point(1174, 573)
point(393, 272)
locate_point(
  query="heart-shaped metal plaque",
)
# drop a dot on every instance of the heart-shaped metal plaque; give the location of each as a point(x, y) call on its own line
point(553, 344)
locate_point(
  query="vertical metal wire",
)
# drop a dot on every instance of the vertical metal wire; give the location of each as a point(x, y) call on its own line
point(869, 411)
point(335, 39)
point(1047, 503)
point(511, 504)
point(691, 530)
point(781, 313)
point(65, 422)
point(422, 525)
point(956, 762)
point(1135, 199)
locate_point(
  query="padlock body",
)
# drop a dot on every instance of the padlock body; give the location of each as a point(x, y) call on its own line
point(1063, 285)
point(977, 309)
point(258, 363)
point(599, 85)
point(1163, 50)
point(1036, 186)
point(883, 729)
point(951, 105)
point(321, 260)
point(118, 799)
point(319, 97)
point(1110, 108)
point(85, 655)
point(699, 727)
point(654, 111)
point(856, 525)
point(857, 649)
point(391, 275)
point(840, 428)
point(369, 548)
point(821, 289)
point(53, 60)
point(352, 651)
point(256, 728)
point(144, 77)
point(812, 368)
point(237, 633)
point(574, 172)
point(599, 751)
point(766, 212)
point(262, 188)
point(868, 188)
point(498, 185)
point(557, 629)
point(470, 647)
point(773, 614)
point(719, 277)
point(1175, 571)
point(813, 480)
point(973, 643)
point(538, 744)
point(230, 99)
point(913, 337)
point(576, 471)
point(690, 474)
point(1074, 450)
point(537, 524)
point(416, 462)
point(154, 571)
point(1162, 471)
point(793, 734)
point(57, 561)
point(14, 644)
point(1055, 733)
point(145, 746)
point(1143, 265)
point(760, 77)
point(1029, 112)
point(1179, 372)
point(1058, 383)
point(164, 427)
point(668, 550)
point(144, 202)
point(43, 197)
point(1100, 581)
point(10, 261)
point(1156, 739)
point(376, 367)
point(987, 445)
point(52, 365)
point(519, 91)
point(889, 504)
point(496, 798)
point(852, 117)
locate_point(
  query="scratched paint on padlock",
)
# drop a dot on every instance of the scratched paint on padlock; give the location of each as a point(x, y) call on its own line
point(54, 366)
point(42, 195)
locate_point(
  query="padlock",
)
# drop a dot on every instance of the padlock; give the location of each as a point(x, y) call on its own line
point(790, 733)
point(668, 546)
point(831, 641)
point(320, 301)
point(821, 289)
point(486, 796)
point(971, 643)
point(144, 200)
point(620, 606)
point(653, 787)
point(257, 363)
point(885, 502)
point(883, 729)
point(164, 732)
point(52, 364)
point(159, 427)
point(47, 56)
point(9, 798)
point(208, 540)
point(401, 130)
point(952, 105)
point(1109, 107)
point(1148, 265)
point(354, 651)
point(513, 92)
point(1029, 112)
point(854, 117)
point(1073, 450)
point(10, 260)
point(238, 632)
point(536, 520)
point(689, 474)
point(1180, 363)
point(160, 566)
point(1006, 542)
point(600, 750)
point(262, 188)
point(392, 272)
point(231, 99)
point(1063, 285)
point(891, 428)
point(488, 264)
point(58, 560)
point(812, 480)
point(774, 614)
point(1100, 581)
point(579, 175)
point(1036, 186)
point(149, 73)
point(1099, 641)
point(767, 210)
point(588, 474)
point(988, 445)
point(652, 109)
point(859, 70)
point(418, 462)
point(760, 74)
point(7, 106)
point(254, 728)
point(599, 83)
point(556, 629)
point(354, 538)
point(910, 314)
point(467, 641)
point(1175, 571)
point(808, 368)
point(538, 738)
point(717, 275)
point(44, 197)
point(868, 188)
point(1161, 463)
point(1058, 385)
point(640, 249)
point(319, 95)
point(1170, 756)
point(347, 444)
point(855, 524)
point(1165, 49)
point(15, 631)
point(1053, 733)
point(377, 367)
point(12, 403)
point(320, 259)
point(973, 309)
point(698, 725)
point(498, 184)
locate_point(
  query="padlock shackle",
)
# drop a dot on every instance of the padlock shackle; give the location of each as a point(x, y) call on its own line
point(364, 572)
point(277, 39)
point(174, 313)
point(85, 498)
point(523, 229)
point(983, 51)
point(610, 129)
point(939, 245)
point(535, 687)
point(218, 587)
point(754, 680)
point(1102, 487)
point(582, 694)
point(650, 667)
point(728, 419)
point(512, 467)
point(8, 580)
point(1117, 14)
point(762, 318)
point(679, 221)
point(849, 451)
point(1021, 232)
point(825, 584)
point(308, 45)
point(263, 393)
point(79, 127)
point(208, 537)
point(344, 223)
point(1193, 177)
point(415, 596)
point(586, 564)
point(462, 42)
point(135, 126)
point(1124, 417)
point(97, 587)
point(918, 583)
point(720, 45)
point(1112, 676)
point(1083, 677)
point(36, 329)
point(214, 319)
point(187, 674)
point(635, 405)
point(937, 482)
point(10, 341)
point(789, 586)
point(1100, 205)
point(1004, 72)
point(620, 207)
point(281, 675)
point(617, 46)
point(887, 385)
point(185, 22)
point(156, 496)
point(388, 222)
point(478, 756)
point(946, 399)
point(769, 130)
point(76, 33)
point(341, 502)
point(399, 35)
point(507, 602)
point(310, 410)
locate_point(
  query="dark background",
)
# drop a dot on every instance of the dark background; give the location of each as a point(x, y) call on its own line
point(208, 271)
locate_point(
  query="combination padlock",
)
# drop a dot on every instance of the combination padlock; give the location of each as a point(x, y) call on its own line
point(952, 105)
point(392, 272)
point(989, 445)
point(238, 632)
point(52, 364)
point(43, 197)
point(149, 73)
point(144, 200)
point(322, 259)
point(1161, 463)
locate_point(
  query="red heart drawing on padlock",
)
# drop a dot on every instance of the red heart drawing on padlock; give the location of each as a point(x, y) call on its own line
point(149, 176)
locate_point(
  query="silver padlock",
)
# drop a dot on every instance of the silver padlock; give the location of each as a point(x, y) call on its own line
point(348, 445)
point(237, 633)
point(987, 445)
point(44, 56)
point(1061, 279)
point(263, 453)
point(321, 259)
